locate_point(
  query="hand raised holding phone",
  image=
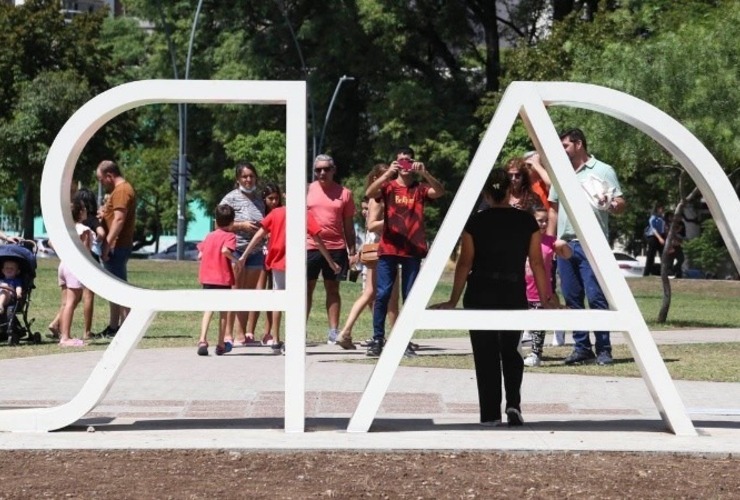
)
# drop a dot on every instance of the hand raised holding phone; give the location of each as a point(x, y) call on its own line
point(406, 164)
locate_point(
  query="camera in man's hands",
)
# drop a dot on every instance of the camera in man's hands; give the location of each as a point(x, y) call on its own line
point(406, 164)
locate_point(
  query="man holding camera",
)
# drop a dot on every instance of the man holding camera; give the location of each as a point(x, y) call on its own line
point(403, 241)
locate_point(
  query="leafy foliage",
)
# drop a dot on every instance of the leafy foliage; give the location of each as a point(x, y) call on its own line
point(426, 73)
point(266, 149)
point(708, 251)
point(48, 68)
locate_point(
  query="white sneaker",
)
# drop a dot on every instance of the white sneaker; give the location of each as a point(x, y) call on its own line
point(558, 338)
point(526, 336)
point(532, 360)
point(331, 338)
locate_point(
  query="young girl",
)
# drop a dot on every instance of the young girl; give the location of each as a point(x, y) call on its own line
point(274, 225)
point(70, 285)
point(273, 198)
point(87, 197)
point(549, 247)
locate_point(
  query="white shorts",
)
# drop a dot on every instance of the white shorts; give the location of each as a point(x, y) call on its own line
point(278, 279)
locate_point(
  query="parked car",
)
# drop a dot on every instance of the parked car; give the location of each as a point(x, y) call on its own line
point(43, 249)
point(630, 266)
point(170, 253)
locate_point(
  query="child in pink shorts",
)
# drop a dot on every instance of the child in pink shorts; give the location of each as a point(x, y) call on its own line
point(70, 285)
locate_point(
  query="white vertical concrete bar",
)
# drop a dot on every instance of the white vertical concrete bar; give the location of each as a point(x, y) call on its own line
point(295, 321)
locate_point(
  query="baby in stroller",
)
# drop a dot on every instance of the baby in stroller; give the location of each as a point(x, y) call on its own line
point(17, 270)
point(11, 286)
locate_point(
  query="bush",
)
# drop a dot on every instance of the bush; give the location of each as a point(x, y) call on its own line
point(708, 251)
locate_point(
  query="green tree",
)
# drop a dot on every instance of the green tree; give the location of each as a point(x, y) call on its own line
point(266, 151)
point(48, 68)
point(43, 106)
point(708, 251)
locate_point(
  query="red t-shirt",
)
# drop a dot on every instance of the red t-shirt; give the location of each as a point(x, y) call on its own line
point(403, 232)
point(331, 207)
point(215, 268)
point(274, 224)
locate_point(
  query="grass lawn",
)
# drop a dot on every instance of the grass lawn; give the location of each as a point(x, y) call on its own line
point(695, 304)
point(708, 362)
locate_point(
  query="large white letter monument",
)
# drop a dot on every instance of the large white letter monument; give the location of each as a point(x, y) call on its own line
point(526, 99)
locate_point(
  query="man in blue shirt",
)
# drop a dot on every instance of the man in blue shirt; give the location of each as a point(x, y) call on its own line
point(655, 234)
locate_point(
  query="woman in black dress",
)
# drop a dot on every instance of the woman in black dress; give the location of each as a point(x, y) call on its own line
point(496, 242)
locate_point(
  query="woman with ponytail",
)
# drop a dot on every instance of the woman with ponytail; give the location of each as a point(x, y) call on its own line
point(496, 242)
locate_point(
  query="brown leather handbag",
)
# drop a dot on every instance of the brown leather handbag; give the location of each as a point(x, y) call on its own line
point(369, 254)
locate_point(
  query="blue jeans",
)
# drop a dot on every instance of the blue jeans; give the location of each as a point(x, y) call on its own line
point(385, 275)
point(577, 281)
point(116, 263)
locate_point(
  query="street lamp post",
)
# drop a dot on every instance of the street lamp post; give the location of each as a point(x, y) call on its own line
point(182, 171)
point(312, 115)
point(342, 79)
point(182, 111)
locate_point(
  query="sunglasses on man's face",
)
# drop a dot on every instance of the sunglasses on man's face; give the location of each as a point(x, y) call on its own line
point(318, 170)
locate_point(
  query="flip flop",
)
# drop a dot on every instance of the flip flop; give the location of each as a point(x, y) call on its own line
point(72, 343)
point(202, 348)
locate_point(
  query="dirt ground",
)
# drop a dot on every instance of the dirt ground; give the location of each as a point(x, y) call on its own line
point(297, 475)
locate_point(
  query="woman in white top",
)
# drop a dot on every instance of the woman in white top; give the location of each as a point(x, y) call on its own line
point(374, 226)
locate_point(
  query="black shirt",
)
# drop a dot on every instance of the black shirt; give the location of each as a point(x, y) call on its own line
point(501, 238)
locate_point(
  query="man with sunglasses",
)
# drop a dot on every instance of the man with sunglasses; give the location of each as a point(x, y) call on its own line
point(577, 278)
point(333, 208)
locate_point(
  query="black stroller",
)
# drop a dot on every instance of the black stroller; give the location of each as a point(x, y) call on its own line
point(14, 323)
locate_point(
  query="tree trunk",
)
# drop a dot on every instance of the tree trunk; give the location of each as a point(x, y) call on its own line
point(561, 8)
point(493, 51)
point(666, 304)
point(28, 215)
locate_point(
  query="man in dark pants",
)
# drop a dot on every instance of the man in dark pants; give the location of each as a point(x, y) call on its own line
point(403, 241)
point(577, 278)
point(655, 233)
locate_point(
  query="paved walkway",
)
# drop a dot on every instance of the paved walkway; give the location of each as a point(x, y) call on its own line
point(171, 398)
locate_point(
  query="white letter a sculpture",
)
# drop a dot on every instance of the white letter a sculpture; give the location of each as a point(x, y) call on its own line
point(529, 100)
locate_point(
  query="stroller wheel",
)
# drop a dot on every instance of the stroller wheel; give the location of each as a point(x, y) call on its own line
point(36, 338)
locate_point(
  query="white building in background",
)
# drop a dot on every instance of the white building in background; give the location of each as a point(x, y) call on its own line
point(74, 7)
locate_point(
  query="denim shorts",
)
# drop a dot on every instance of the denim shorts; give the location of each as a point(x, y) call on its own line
point(255, 260)
point(116, 263)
